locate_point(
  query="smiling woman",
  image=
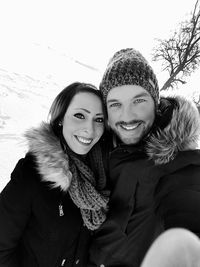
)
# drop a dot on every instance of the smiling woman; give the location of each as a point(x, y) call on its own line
point(78, 113)
point(57, 194)
point(83, 123)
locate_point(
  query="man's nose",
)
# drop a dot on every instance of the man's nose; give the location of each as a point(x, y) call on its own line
point(127, 113)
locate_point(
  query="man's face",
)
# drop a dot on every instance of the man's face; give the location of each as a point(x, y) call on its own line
point(131, 112)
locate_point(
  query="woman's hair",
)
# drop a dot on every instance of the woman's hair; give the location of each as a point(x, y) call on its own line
point(63, 99)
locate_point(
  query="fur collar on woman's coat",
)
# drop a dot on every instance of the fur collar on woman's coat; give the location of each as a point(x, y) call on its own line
point(52, 162)
point(181, 134)
point(86, 190)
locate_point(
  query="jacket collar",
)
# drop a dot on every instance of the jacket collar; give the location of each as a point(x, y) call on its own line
point(182, 133)
point(52, 162)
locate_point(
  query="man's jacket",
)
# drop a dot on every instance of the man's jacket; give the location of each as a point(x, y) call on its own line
point(155, 185)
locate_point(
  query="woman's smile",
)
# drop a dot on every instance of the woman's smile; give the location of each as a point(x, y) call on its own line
point(83, 140)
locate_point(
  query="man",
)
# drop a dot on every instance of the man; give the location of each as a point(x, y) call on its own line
point(154, 162)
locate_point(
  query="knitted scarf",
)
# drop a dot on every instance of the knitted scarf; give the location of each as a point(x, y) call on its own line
point(87, 187)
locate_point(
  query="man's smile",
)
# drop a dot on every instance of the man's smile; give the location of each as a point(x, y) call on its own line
point(130, 126)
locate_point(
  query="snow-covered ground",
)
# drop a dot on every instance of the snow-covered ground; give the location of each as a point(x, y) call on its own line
point(26, 95)
point(24, 102)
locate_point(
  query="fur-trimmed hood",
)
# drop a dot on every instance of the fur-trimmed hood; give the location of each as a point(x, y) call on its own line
point(52, 162)
point(181, 134)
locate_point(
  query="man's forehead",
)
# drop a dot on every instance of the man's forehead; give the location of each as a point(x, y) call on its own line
point(127, 92)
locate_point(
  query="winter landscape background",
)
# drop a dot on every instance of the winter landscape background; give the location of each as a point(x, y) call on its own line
point(26, 95)
point(45, 45)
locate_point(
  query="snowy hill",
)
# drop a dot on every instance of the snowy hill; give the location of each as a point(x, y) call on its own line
point(25, 98)
point(24, 102)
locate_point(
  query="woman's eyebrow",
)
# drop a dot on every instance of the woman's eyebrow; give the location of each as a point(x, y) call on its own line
point(86, 110)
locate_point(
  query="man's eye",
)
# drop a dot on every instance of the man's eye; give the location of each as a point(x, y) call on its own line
point(139, 100)
point(99, 120)
point(79, 116)
point(113, 105)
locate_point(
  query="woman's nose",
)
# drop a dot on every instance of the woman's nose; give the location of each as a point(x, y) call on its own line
point(89, 127)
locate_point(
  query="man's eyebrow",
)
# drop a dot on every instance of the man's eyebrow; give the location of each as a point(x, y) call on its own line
point(136, 96)
point(86, 110)
point(142, 94)
point(112, 100)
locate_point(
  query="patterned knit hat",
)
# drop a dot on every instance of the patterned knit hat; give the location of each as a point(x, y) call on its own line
point(129, 67)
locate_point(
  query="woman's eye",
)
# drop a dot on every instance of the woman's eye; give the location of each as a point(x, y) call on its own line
point(79, 116)
point(99, 120)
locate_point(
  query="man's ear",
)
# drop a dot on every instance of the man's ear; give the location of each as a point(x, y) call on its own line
point(107, 126)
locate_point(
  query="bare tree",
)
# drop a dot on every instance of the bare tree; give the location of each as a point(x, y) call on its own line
point(180, 54)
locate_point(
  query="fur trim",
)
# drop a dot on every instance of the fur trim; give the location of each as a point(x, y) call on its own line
point(51, 160)
point(182, 133)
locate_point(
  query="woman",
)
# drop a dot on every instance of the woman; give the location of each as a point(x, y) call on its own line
point(56, 196)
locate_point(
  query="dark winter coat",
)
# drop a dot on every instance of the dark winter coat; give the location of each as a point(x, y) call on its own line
point(152, 182)
point(40, 226)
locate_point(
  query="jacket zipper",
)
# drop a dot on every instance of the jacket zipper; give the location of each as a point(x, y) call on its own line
point(63, 262)
point(61, 211)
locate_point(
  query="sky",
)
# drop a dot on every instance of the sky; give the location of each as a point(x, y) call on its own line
point(90, 31)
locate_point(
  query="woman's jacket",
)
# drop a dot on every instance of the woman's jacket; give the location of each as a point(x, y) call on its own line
point(155, 186)
point(40, 226)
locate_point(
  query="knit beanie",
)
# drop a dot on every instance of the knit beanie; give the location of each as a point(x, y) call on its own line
point(129, 67)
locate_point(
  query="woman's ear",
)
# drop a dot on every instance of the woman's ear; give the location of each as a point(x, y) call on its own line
point(60, 124)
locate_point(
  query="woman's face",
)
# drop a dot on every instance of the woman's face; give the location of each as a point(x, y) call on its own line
point(83, 123)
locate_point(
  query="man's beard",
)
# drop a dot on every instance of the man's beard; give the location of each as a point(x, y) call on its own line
point(131, 140)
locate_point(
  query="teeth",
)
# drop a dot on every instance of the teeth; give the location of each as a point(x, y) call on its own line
point(129, 127)
point(84, 140)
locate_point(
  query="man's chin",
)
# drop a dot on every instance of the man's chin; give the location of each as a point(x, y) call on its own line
point(130, 141)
